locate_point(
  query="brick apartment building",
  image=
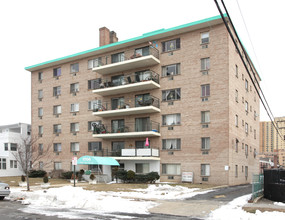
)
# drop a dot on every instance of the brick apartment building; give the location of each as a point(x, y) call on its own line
point(184, 90)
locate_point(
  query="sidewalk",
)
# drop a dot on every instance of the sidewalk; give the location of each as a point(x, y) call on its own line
point(263, 205)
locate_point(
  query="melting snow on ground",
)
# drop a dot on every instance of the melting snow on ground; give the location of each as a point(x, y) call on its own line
point(234, 211)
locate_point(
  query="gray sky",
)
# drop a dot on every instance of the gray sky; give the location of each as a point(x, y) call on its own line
point(35, 31)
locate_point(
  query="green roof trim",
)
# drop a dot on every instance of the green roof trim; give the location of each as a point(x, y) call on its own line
point(149, 34)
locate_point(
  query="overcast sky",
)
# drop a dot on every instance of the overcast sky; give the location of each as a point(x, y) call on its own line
point(35, 31)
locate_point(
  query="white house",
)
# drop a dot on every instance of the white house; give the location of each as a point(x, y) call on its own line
point(10, 137)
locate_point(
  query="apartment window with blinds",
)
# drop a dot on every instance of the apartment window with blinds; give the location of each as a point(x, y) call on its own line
point(171, 95)
point(13, 164)
point(41, 130)
point(74, 68)
point(57, 147)
point(94, 63)
point(205, 169)
point(171, 144)
point(236, 120)
point(205, 38)
point(118, 57)
point(205, 143)
point(94, 83)
point(94, 146)
point(57, 109)
point(40, 112)
point(171, 70)
point(57, 128)
point(205, 64)
point(74, 107)
point(57, 91)
point(74, 146)
point(172, 119)
point(142, 167)
point(41, 149)
point(40, 76)
point(171, 169)
point(40, 94)
point(236, 96)
point(74, 87)
point(90, 123)
point(3, 164)
point(13, 147)
point(205, 117)
point(205, 90)
point(57, 165)
point(95, 105)
point(74, 127)
point(56, 72)
point(171, 45)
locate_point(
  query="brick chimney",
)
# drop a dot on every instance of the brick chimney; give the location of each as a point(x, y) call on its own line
point(107, 37)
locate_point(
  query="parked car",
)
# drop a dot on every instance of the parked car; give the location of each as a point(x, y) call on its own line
point(4, 190)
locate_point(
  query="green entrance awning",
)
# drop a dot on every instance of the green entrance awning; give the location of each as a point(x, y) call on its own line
point(87, 160)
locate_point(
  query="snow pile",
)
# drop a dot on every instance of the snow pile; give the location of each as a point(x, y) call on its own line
point(234, 211)
point(279, 203)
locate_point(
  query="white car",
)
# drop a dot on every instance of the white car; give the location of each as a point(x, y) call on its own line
point(4, 190)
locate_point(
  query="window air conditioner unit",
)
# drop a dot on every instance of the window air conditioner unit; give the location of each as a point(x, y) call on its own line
point(205, 152)
point(170, 153)
point(41, 117)
point(170, 103)
point(204, 99)
point(205, 126)
point(170, 128)
point(74, 93)
point(73, 74)
point(56, 115)
point(74, 114)
point(74, 133)
point(204, 178)
point(205, 72)
point(204, 46)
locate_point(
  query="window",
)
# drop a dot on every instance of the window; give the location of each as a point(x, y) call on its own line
point(6, 146)
point(142, 167)
point(74, 87)
point(205, 143)
point(57, 72)
point(13, 147)
point(205, 117)
point(94, 83)
point(40, 112)
point(171, 45)
point(236, 171)
point(117, 103)
point(117, 146)
point(74, 127)
point(117, 80)
point(40, 94)
point(237, 71)
point(74, 107)
point(118, 125)
point(246, 106)
point(173, 119)
point(205, 64)
point(236, 95)
point(41, 149)
point(171, 169)
point(170, 70)
point(94, 105)
point(171, 95)
point(57, 128)
point(118, 57)
point(94, 63)
point(254, 115)
point(246, 128)
point(141, 144)
point(57, 147)
point(74, 146)
point(205, 38)
point(246, 149)
point(40, 76)
point(143, 100)
point(246, 85)
point(90, 128)
point(171, 144)
point(57, 165)
point(94, 146)
point(237, 141)
point(236, 120)
point(57, 109)
point(56, 91)
point(144, 51)
point(2, 163)
point(13, 164)
point(205, 169)
point(246, 171)
point(142, 124)
point(142, 75)
point(74, 68)
point(205, 90)
point(254, 133)
point(41, 130)
point(41, 165)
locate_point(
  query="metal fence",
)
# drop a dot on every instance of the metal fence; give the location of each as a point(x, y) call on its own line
point(257, 185)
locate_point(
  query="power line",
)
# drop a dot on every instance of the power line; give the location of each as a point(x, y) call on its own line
point(248, 60)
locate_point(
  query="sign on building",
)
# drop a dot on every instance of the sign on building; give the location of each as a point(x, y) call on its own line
point(187, 177)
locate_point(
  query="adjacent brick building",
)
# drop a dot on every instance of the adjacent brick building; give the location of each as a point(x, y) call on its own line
point(184, 90)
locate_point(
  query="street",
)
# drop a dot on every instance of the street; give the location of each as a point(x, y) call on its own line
point(195, 208)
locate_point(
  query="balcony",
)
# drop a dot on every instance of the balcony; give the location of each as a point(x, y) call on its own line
point(136, 106)
point(130, 153)
point(126, 130)
point(128, 60)
point(135, 82)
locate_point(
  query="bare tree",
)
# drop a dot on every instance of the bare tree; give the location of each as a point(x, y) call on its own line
point(28, 154)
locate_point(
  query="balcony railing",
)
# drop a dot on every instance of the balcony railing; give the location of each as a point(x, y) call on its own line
point(128, 59)
point(119, 129)
point(133, 152)
point(135, 103)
